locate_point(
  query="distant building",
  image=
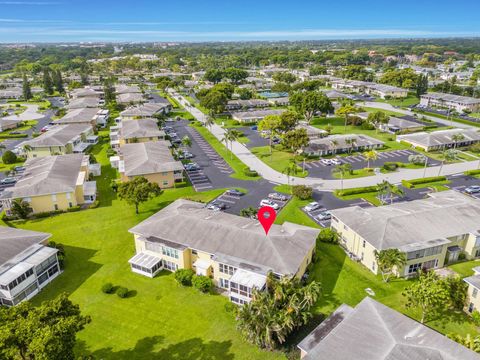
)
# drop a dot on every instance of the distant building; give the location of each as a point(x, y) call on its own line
point(342, 143)
point(442, 139)
point(373, 331)
point(254, 115)
point(147, 110)
point(456, 102)
point(26, 264)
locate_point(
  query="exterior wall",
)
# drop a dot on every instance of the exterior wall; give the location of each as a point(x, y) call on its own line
point(426, 101)
point(45, 203)
point(46, 151)
point(303, 267)
point(473, 297)
point(164, 180)
point(472, 246)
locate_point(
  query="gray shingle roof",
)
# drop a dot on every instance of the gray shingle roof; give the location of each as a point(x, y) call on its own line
point(148, 158)
point(14, 241)
point(84, 102)
point(83, 115)
point(47, 175)
point(140, 128)
point(145, 110)
point(452, 98)
point(373, 331)
point(326, 142)
point(226, 236)
point(440, 138)
point(59, 135)
point(427, 221)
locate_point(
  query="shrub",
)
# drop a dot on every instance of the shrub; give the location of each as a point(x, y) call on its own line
point(13, 136)
point(184, 276)
point(302, 192)
point(9, 157)
point(229, 307)
point(202, 283)
point(110, 152)
point(472, 172)
point(475, 148)
point(476, 317)
point(94, 205)
point(328, 235)
point(122, 292)
point(410, 184)
point(367, 126)
point(107, 288)
point(249, 172)
point(74, 208)
point(355, 191)
point(390, 166)
point(417, 159)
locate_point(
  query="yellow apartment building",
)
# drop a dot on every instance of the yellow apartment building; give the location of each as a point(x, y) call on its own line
point(233, 250)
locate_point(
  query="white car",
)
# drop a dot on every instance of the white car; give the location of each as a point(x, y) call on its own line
point(326, 162)
point(312, 206)
point(267, 202)
point(324, 215)
point(335, 161)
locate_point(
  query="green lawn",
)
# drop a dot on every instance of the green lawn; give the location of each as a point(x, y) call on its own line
point(408, 101)
point(225, 153)
point(278, 160)
point(451, 118)
point(354, 174)
point(388, 112)
point(371, 197)
point(464, 269)
point(160, 319)
point(338, 127)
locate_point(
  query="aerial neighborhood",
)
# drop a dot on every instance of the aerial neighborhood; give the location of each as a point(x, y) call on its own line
point(134, 177)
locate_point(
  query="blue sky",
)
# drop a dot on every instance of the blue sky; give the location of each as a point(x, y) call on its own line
point(185, 20)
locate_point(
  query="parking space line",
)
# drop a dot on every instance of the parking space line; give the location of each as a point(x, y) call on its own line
point(315, 164)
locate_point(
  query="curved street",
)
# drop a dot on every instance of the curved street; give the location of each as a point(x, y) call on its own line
point(250, 160)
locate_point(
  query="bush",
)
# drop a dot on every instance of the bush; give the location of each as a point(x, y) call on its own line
point(410, 184)
point(302, 192)
point(472, 172)
point(122, 292)
point(476, 317)
point(13, 136)
point(202, 283)
point(110, 152)
point(74, 208)
point(355, 191)
point(328, 235)
point(390, 166)
point(417, 159)
point(9, 157)
point(94, 205)
point(249, 172)
point(475, 148)
point(184, 276)
point(367, 126)
point(107, 288)
point(229, 307)
point(46, 214)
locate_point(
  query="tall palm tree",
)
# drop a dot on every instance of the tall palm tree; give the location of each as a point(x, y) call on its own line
point(353, 142)
point(186, 142)
point(456, 139)
point(342, 169)
point(395, 190)
point(27, 148)
point(388, 260)
point(209, 121)
point(370, 155)
point(447, 157)
point(334, 144)
point(290, 169)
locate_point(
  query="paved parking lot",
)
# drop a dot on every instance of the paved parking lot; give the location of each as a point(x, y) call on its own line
point(358, 161)
point(254, 137)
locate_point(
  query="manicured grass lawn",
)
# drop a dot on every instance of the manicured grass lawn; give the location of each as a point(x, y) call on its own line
point(451, 118)
point(160, 319)
point(408, 101)
point(225, 153)
point(44, 104)
point(388, 112)
point(464, 269)
point(475, 115)
point(8, 167)
point(339, 128)
point(279, 159)
point(354, 174)
point(371, 197)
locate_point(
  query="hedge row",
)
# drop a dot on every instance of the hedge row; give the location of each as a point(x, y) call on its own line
point(249, 172)
point(472, 172)
point(410, 184)
point(13, 136)
point(355, 191)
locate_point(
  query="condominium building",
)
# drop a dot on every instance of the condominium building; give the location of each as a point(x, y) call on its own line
point(431, 232)
point(233, 250)
point(26, 264)
point(450, 101)
point(442, 139)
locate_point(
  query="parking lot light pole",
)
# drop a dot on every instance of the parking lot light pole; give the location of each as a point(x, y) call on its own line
point(425, 168)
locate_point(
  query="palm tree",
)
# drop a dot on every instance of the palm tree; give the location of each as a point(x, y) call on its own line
point(388, 260)
point(395, 190)
point(382, 190)
point(230, 136)
point(447, 156)
point(456, 139)
point(209, 121)
point(334, 144)
point(27, 148)
point(370, 155)
point(290, 169)
point(343, 169)
point(186, 142)
point(353, 142)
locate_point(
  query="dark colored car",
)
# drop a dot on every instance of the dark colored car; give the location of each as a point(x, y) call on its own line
point(233, 192)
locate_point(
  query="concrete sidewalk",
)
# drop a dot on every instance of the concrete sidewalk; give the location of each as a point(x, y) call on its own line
point(250, 160)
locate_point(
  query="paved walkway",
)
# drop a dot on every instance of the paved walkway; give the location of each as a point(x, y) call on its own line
point(30, 113)
point(250, 160)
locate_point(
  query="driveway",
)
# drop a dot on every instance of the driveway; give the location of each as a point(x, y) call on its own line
point(30, 113)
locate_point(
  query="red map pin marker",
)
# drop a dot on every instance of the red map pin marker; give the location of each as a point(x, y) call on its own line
point(266, 215)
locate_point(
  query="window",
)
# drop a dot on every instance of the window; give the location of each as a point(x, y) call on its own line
point(430, 264)
point(414, 268)
point(373, 266)
point(471, 307)
point(194, 252)
point(170, 252)
point(70, 204)
point(20, 279)
point(55, 207)
point(474, 293)
point(364, 243)
point(54, 197)
point(164, 173)
point(224, 283)
point(170, 265)
point(226, 269)
point(69, 196)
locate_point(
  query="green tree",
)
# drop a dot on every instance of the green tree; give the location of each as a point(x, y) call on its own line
point(284, 77)
point(290, 170)
point(370, 155)
point(186, 141)
point(378, 118)
point(214, 75)
point(317, 70)
point(109, 92)
point(40, 332)
point(137, 191)
point(235, 75)
point(26, 89)
point(388, 260)
point(58, 81)
point(309, 102)
point(20, 209)
point(405, 78)
point(288, 120)
point(345, 111)
point(9, 157)
point(295, 139)
point(276, 312)
point(214, 101)
point(249, 212)
point(269, 124)
point(469, 341)
point(422, 85)
point(456, 138)
point(428, 293)
point(47, 81)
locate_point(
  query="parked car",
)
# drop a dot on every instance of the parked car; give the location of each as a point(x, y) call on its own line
point(254, 127)
point(216, 205)
point(176, 141)
point(326, 161)
point(185, 155)
point(191, 167)
point(19, 168)
point(277, 196)
point(335, 161)
point(234, 192)
point(8, 181)
point(268, 202)
point(15, 132)
point(312, 206)
point(474, 189)
point(213, 207)
point(324, 215)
